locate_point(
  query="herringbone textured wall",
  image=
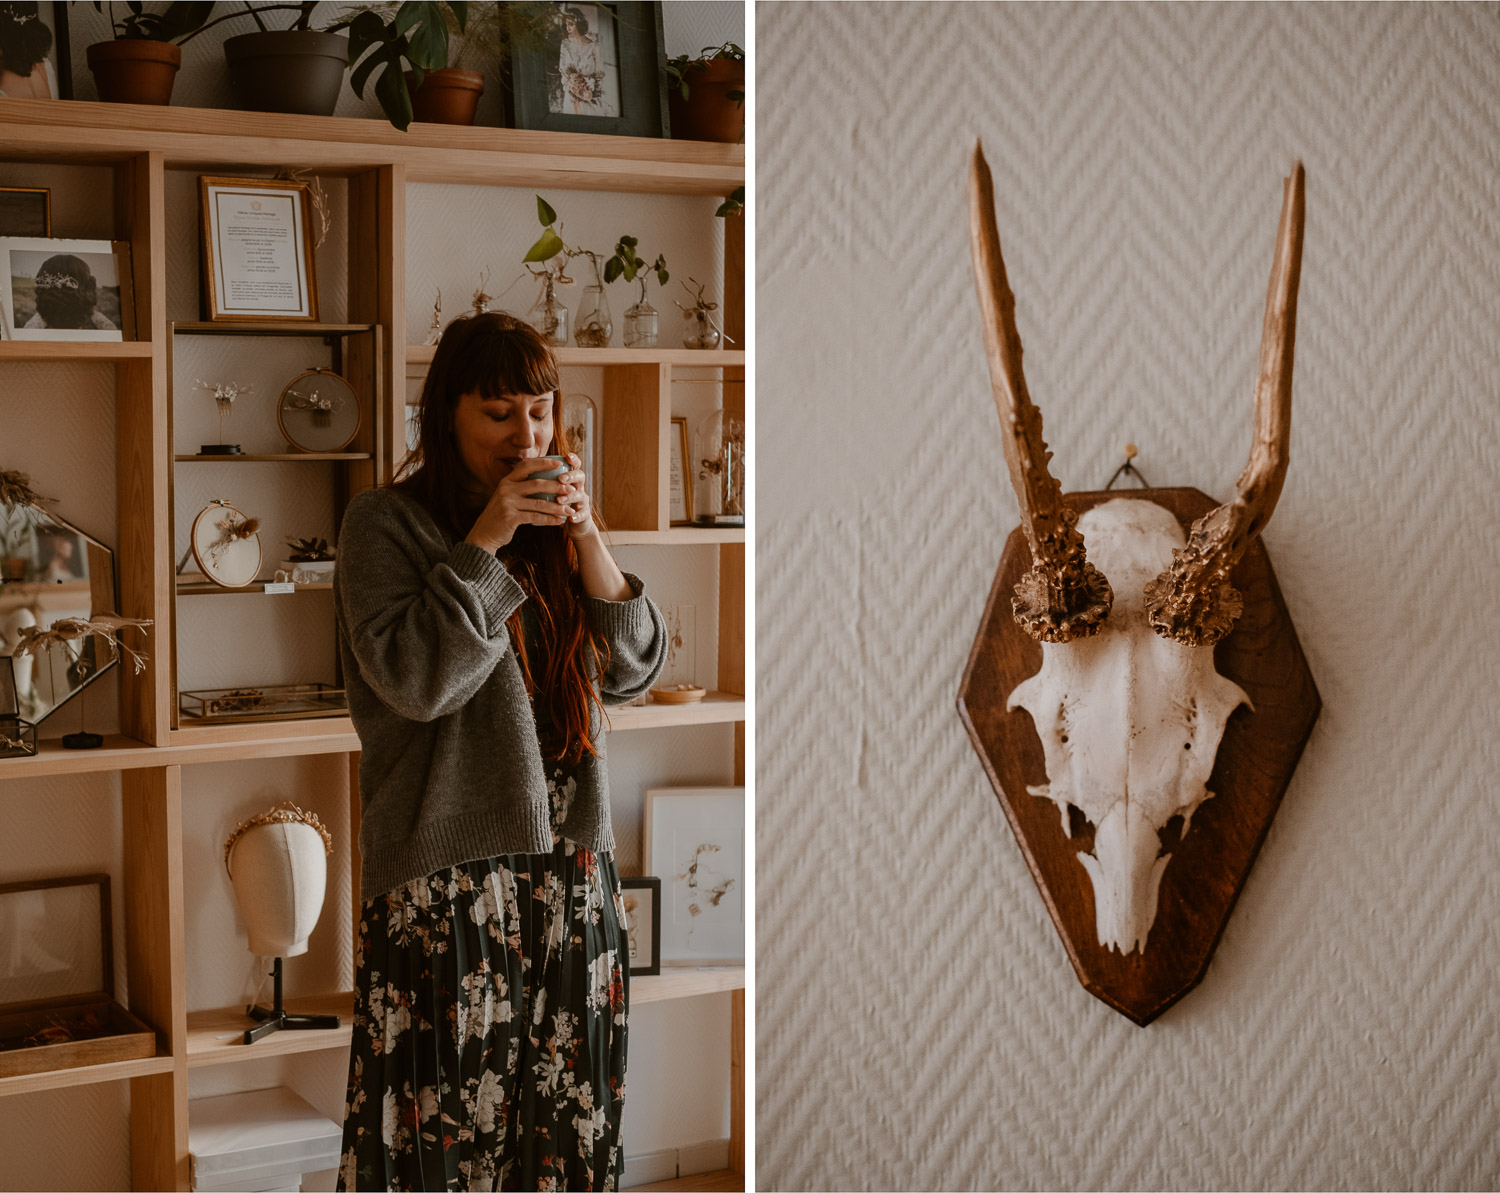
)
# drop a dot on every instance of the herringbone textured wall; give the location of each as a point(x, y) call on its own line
point(918, 1024)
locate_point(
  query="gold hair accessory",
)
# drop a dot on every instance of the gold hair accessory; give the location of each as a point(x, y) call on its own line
point(285, 812)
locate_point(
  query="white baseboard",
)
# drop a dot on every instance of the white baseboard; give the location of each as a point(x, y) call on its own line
point(649, 1168)
point(673, 1162)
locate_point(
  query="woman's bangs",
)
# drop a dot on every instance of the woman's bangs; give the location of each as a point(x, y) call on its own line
point(497, 364)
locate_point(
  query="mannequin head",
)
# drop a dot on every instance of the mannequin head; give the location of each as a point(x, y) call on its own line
point(278, 864)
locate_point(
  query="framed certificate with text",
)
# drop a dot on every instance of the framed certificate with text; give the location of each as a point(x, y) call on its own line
point(257, 250)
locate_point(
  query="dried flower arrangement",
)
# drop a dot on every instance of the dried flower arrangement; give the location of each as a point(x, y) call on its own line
point(105, 626)
point(16, 490)
point(231, 532)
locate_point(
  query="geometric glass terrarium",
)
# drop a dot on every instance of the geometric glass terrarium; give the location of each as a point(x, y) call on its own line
point(719, 471)
point(49, 570)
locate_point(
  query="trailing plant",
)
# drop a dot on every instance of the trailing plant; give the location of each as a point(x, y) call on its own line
point(734, 205)
point(679, 68)
point(181, 22)
point(178, 23)
point(626, 264)
point(414, 36)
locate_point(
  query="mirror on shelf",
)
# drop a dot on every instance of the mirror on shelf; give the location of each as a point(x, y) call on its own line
point(49, 569)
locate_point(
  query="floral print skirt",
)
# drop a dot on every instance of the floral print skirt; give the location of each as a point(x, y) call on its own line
point(489, 1028)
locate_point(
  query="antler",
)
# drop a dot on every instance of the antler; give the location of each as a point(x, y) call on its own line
point(1192, 602)
point(1063, 596)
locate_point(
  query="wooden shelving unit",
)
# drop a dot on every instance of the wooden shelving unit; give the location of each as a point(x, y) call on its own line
point(140, 145)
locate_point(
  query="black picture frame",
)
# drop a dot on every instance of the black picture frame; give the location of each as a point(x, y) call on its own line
point(642, 82)
point(652, 967)
point(54, 16)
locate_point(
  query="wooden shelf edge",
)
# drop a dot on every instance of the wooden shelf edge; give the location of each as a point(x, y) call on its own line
point(87, 352)
point(718, 358)
point(716, 708)
point(685, 982)
point(204, 1029)
point(677, 536)
point(209, 743)
point(276, 458)
point(120, 1070)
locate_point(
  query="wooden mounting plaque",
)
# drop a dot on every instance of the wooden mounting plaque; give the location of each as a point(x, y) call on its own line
point(1254, 764)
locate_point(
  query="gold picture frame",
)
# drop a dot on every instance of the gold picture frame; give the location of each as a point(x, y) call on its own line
point(679, 483)
point(240, 221)
point(14, 210)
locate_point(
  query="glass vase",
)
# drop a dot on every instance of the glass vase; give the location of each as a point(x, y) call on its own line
point(719, 470)
point(580, 420)
point(642, 323)
point(701, 333)
point(594, 325)
point(549, 316)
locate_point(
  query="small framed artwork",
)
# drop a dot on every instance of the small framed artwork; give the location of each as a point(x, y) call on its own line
point(694, 841)
point(257, 250)
point(642, 898)
point(599, 69)
point(65, 289)
point(34, 61)
point(679, 492)
point(25, 211)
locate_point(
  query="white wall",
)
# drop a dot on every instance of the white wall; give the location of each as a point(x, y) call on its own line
point(918, 1023)
point(56, 422)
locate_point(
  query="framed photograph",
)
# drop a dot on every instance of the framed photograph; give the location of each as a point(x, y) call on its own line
point(257, 250)
point(34, 60)
point(642, 898)
point(25, 211)
point(65, 289)
point(679, 492)
point(694, 841)
point(599, 70)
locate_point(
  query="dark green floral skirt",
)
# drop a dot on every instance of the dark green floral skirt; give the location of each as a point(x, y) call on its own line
point(489, 1027)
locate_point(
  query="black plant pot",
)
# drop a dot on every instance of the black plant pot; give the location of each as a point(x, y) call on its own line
point(288, 70)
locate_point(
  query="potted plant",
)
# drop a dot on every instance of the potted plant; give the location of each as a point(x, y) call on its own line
point(140, 65)
point(394, 37)
point(642, 323)
point(594, 324)
point(706, 94)
point(296, 69)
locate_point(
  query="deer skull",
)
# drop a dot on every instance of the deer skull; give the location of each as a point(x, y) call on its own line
point(1128, 705)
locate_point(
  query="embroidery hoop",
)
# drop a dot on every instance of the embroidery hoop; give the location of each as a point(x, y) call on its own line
point(300, 427)
point(240, 559)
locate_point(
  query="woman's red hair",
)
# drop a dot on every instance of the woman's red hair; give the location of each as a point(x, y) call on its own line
point(495, 355)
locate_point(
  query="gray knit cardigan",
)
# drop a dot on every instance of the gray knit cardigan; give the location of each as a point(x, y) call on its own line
point(450, 769)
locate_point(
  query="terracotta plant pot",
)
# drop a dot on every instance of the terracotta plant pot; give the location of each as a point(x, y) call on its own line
point(131, 71)
point(708, 114)
point(446, 96)
point(287, 70)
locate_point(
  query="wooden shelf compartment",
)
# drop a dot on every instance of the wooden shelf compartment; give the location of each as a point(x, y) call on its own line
point(719, 358)
point(716, 708)
point(82, 352)
point(213, 140)
point(216, 1037)
point(120, 1070)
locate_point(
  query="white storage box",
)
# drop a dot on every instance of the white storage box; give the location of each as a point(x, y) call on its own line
point(258, 1142)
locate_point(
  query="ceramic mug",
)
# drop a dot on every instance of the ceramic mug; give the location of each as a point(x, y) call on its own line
point(550, 474)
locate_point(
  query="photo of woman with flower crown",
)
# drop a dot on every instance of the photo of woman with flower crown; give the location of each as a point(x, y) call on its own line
point(60, 289)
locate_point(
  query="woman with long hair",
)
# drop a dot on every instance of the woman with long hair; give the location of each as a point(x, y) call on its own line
point(483, 627)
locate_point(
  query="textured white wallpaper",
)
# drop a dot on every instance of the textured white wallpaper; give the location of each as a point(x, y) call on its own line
point(918, 1024)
